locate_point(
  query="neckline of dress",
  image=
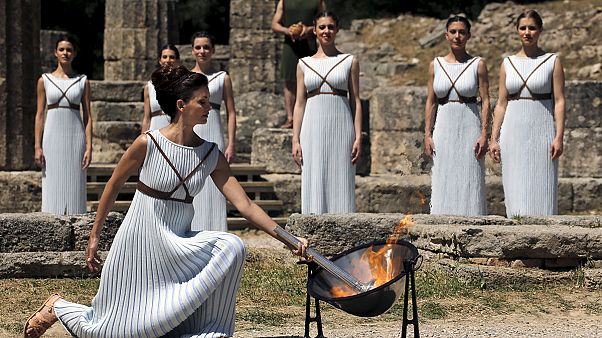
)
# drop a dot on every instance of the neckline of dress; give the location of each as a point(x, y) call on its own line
point(456, 63)
point(177, 144)
point(65, 78)
point(327, 57)
point(530, 58)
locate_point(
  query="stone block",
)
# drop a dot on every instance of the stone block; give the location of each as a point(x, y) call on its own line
point(288, 190)
point(70, 264)
point(129, 69)
point(35, 232)
point(398, 109)
point(254, 75)
point(131, 13)
point(83, 224)
point(582, 156)
point(251, 15)
point(255, 44)
point(527, 263)
point(495, 195)
point(21, 192)
point(583, 104)
point(395, 152)
point(111, 139)
point(272, 149)
point(385, 194)
point(106, 152)
point(117, 111)
point(593, 278)
point(587, 195)
point(131, 43)
point(117, 91)
point(561, 263)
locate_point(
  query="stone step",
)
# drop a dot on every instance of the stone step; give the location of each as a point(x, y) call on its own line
point(98, 172)
point(267, 205)
point(96, 188)
point(117, 91)
point(238, 223)
point(117, 111)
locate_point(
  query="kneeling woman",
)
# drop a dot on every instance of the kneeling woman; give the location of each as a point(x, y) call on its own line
point(160, 279)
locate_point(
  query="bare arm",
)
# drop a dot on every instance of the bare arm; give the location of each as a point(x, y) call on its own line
point(146, 118)
point(277, 26)
point(229, 186)
point(498, 116)
point(480, 147)
point(87, 117)
point(559, 109)
point(230, 117)
point(128, 165)
point(298, 113)
point(39, 124)
point(430, 113)
point(356, 105)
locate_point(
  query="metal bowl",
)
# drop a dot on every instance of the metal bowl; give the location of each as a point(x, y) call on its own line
point(375, 301)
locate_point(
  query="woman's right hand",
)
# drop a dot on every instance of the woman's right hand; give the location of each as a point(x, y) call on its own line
point(297, 154)
point(429, 146)
point(494, 151)
point(93, 261)
point(39, 158)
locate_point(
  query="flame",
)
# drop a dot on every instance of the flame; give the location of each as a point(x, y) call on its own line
point(380, 263)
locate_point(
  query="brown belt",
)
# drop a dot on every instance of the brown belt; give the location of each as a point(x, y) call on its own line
point(461, 99)
point(70, 106)
point(157, 113)
point(533, 97)
point(215, 106)
point(337, 92)
point(162, 195)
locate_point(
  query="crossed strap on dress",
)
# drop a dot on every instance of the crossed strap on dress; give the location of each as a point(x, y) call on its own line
point(216, 106)
point(64, 95)
point(335, 91)
point(461, 99)
point(167, 195)
point(534, 96)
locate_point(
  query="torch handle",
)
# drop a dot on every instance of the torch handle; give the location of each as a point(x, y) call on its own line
point(324, 262)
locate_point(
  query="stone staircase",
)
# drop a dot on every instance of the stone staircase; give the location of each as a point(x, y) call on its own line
point(249, 176)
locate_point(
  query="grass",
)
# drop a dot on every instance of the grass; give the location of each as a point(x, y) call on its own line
point(273, 294)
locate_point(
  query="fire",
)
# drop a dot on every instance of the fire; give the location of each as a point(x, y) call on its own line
point(379, 263)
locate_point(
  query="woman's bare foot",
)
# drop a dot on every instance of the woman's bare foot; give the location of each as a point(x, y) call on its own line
point(42, 319)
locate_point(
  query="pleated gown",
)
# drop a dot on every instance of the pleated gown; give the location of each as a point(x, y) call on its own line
point(458, 178)
point(327, 135)
point(210, 203)
point(159, 278)
point(529, 175)
point(64, 144)
point(160, 119)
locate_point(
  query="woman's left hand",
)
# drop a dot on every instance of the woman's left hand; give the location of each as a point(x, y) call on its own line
point(356, 149)
point(229, 153)
point(556, 149)
point(87, 159)
point(480, 147)
point(302, 249)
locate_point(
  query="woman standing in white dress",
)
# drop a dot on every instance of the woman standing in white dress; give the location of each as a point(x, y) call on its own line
point(531, 113)
point(459, 139)
point(327, 123)
point(63, 142)
point(154, 118)
point(210, 203)
point(159, 278)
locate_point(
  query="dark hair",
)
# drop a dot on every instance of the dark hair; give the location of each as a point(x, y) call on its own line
point(169, 46)
point(530, 14)
point(327, 14)
point(202, 34)
point(174, 83)
point(65, 37)
point(457, 18)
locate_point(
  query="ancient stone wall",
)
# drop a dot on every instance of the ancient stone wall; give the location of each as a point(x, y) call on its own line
point(19, 59)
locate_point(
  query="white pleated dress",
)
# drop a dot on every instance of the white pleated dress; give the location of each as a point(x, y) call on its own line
point(159, 278)
point(158, 118)
point(64, 144)
point(327, 135)
point(458, 178)
point(210, 203)
point(529, 175)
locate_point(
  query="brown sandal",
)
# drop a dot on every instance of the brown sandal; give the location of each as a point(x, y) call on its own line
point(42, 319)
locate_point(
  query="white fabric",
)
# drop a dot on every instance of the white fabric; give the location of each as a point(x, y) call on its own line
point(458, 178)
point(528, 172)
point(210, 203)
point(327, 135)
point(159, 121)
point(64, 144)
point(159, 278)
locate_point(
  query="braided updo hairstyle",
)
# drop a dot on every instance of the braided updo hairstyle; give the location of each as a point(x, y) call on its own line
point(173, 83)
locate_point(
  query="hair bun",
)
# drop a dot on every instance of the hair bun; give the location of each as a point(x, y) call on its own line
point(166, 78)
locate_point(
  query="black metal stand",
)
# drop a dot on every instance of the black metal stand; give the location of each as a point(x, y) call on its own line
point(414, 321)
point(311, 269)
